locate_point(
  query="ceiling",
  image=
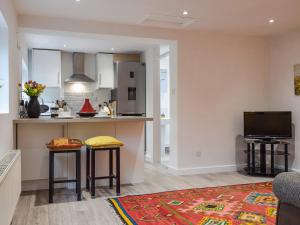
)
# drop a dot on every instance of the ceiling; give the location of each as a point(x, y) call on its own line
point(85, 43)
point(242, 16)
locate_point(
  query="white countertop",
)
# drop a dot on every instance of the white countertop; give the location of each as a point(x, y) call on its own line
point(83, 120)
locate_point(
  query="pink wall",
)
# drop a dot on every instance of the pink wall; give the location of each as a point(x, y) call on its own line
point(284, 54)
point(6, 127)
point(219, 76)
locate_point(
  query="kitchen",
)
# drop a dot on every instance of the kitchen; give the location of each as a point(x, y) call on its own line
point(111, 84)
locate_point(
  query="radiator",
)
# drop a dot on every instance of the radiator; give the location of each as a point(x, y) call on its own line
point(10, 185)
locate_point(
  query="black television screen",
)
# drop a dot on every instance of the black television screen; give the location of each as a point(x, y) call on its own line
point(267, 124)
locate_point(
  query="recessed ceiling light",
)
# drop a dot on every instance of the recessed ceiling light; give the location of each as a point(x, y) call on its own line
point(77, 0)
point(185, 13)
point(65, 45)
point(271, 20)
point(112, 49)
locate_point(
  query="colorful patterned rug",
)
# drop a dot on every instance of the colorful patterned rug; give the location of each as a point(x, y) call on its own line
point(246, 204)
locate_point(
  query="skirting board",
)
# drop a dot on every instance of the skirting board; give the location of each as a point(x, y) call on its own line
point(296, 170)
point(148, 159)
point(202, 170)
point(208, 169)
point(34, 185)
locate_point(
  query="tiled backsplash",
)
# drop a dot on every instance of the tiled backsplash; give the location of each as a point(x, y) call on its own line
point(76, 100)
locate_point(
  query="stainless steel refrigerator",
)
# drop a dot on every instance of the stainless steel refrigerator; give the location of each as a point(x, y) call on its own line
point(130, 88)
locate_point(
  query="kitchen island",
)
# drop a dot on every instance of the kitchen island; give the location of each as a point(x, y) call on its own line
point(31, 135)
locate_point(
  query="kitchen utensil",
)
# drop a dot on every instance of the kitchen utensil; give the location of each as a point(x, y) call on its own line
point(61, 103)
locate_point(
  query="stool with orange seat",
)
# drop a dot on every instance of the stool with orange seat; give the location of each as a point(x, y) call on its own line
point(64, 145)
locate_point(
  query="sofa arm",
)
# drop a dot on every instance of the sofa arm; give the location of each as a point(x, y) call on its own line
point(286, 187)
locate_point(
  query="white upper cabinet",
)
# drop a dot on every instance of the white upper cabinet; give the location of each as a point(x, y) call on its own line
point(105, 67)
point(46, 67)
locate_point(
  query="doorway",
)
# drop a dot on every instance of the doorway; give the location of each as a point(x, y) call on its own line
point(161, 134)
point(165, 104)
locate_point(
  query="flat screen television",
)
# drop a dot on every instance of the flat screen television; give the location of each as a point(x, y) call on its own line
point(268, 125)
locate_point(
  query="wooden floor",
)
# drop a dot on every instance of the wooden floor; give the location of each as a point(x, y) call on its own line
point(33, 208)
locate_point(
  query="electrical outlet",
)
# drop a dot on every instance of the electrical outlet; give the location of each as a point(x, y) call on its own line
point(198, 154)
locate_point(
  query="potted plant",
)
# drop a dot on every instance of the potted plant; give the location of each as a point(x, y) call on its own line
point(33, 90)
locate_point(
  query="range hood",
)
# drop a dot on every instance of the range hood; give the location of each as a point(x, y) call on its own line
point(78, 75)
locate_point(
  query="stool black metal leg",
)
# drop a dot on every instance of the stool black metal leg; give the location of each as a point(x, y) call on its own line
point(272, 159)
point(87, 168)
point(253, 158)
point(76, 170)
point(78, 175)
point(51, 176)
point(263, 159)
point(93, 174)
point(286, 160)
point(248, 157)
point(118, 171)
point(111, 163)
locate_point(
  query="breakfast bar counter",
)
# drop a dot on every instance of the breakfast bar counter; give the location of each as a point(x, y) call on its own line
point(31, 136)
point(83, 120)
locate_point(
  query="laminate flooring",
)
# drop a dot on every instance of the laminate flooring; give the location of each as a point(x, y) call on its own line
point(33, 207)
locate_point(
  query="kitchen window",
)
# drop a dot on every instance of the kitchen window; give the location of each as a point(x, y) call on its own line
point(4, 65)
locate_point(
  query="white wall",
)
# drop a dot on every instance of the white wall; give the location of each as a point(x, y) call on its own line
point(219, 77)
point(4, 68)
point(284, 54)
point(6, 126)
point(147, 57)
point(151, 58)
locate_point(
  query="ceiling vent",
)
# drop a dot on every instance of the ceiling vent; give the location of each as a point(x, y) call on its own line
point(167, 21)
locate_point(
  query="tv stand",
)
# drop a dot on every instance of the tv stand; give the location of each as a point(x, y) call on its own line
point(263, 170)
point(268, 140)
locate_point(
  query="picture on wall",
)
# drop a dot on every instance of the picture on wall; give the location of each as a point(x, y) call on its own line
point(297, 79)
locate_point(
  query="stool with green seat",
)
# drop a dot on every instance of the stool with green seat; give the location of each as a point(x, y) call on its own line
point(102, 143)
